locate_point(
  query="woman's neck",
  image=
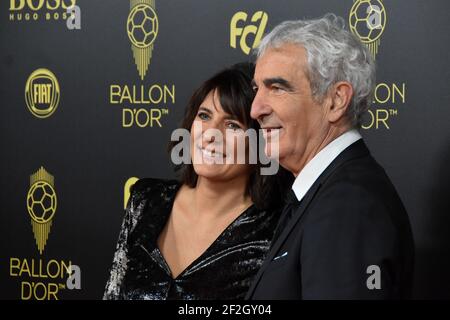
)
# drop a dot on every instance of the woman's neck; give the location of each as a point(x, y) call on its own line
point(215, 198)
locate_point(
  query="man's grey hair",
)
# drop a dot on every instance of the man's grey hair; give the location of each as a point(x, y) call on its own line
point(334, 54)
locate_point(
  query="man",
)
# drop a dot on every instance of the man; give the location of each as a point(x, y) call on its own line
point(345, 233)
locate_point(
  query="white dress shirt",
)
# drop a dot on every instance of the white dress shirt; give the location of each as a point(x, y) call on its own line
point(317, 165)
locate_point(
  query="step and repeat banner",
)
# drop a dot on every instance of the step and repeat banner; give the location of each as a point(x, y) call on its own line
point(90, 91)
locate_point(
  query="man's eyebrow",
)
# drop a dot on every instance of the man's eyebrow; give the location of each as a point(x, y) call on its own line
point(278, 80)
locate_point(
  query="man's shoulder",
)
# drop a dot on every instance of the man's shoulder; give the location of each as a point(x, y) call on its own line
point(358, 190)
point(361, 175)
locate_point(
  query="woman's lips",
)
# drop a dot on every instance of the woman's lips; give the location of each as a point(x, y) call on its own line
point(210, 155)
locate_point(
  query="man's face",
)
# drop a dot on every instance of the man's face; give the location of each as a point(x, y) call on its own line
point(284, 101)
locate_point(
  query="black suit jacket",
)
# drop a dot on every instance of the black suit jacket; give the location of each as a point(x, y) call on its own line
point(351, 218)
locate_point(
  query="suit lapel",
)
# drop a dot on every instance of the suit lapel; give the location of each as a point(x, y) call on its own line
point(356, 150)
point(283, 236)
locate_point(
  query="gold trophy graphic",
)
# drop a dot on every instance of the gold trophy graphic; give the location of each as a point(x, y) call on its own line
point(367, 20)
point(41, 205)
point(142, 29)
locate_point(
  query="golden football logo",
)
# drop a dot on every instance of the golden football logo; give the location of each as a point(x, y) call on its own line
point(41, 205)
point(142, 29)
point(42, 93)
point(367, 20)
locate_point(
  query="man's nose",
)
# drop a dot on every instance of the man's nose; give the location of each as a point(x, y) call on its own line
point(260, 108)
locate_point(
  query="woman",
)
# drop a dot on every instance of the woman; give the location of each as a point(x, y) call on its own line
point(205, 236)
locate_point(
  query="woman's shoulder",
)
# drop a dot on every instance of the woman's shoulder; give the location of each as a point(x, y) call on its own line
point(146, 185)
point(147, 189)
point(147, 194)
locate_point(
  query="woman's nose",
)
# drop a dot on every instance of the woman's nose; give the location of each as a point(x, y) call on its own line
point(208, 135)
point(211, 133)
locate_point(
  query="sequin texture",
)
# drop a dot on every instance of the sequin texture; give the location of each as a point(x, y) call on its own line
point(224, 271)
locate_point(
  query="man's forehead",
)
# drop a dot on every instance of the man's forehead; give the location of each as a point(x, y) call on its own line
point(284, 52)
point(285, 61)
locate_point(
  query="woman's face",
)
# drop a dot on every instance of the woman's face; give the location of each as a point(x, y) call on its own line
point(214, 142)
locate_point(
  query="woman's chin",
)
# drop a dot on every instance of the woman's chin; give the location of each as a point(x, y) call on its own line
point(208, 170)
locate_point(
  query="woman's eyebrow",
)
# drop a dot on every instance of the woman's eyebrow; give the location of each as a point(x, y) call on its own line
point(205, 109)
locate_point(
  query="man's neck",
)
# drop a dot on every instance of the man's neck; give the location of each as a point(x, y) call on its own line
point(325, 139)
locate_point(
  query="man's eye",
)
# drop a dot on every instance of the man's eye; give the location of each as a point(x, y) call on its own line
point(277, 90)
point(203, 116)
point(255, 88)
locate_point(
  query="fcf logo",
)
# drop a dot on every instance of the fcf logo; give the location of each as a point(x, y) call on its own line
point(255, 28)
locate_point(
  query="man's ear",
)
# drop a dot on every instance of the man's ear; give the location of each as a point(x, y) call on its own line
point(340, 95)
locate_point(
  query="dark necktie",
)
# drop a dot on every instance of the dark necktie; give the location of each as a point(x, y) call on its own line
point(290, 206)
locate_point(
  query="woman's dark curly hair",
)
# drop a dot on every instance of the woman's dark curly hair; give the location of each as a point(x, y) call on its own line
point(234, 88)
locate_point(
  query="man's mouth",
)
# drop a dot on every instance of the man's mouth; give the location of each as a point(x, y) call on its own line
point(269, 130)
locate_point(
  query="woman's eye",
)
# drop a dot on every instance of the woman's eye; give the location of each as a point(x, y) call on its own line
point(203, 116)
point(233, 126)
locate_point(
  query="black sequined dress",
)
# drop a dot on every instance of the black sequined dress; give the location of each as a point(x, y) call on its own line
point(224, 271)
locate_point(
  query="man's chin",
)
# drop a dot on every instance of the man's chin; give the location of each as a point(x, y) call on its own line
point(272, 151)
